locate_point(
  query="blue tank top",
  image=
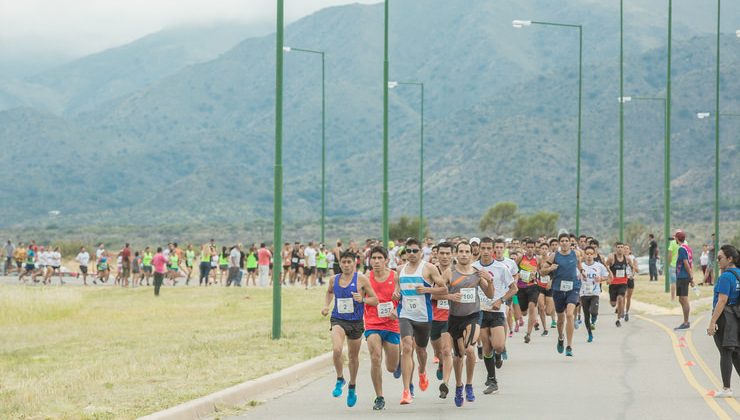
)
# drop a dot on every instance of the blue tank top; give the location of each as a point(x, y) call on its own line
point(345, 306)
point(567, 270)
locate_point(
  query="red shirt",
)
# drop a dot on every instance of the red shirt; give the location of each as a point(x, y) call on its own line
point(384, 290)
point(126, 254)
point(440, 314)
point(159, 262)
point(263, 256)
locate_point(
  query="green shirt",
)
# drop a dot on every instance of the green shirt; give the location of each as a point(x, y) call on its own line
point(147, 260)
point(673, 247)
point(189, 256)
point(251, 260)
point(321, 260)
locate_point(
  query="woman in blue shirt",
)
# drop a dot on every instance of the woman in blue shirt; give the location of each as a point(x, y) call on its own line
point(725, 322)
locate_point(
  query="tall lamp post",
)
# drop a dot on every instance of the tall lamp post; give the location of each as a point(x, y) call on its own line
point(323, 133)
point(621, 121)
point(622, 101)
point(278, 174)
point(385, 125)
point(523, 23)
point(392, 85)
point(667, 163)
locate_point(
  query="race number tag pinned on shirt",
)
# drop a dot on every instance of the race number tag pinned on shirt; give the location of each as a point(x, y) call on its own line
point(524, 274)
point(620, 273)
point(545, 279)
point(467, 295)
point(345, 305)
point(384, 309)
point(587, 288)
point(566, 286)
point(412, 303)
point(294, 260)
point(443, 304)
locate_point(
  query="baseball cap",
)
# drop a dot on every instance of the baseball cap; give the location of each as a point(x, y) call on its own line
point(475, 240)
point(680, 235)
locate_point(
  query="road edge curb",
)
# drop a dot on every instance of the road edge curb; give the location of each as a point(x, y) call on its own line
point(242, 393)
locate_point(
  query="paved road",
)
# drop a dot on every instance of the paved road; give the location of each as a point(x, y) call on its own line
point(636, 371)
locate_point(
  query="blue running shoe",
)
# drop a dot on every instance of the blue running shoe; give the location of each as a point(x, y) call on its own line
point(459, 396)
point(338, 388)
point(560, 346)
point(440, 374)
point(505, 355)
point(397, 372)
point(590, 337)
point(469, 396)
point(569, 351)
point(351, 397)
point(578, 323)
point(411, 388)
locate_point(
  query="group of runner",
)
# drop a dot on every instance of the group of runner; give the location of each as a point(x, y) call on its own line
point(460, 294)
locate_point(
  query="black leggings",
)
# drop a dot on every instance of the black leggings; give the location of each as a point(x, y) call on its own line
point(158, 278)
point(727, 356)
point(205, 269)
point(590, 305)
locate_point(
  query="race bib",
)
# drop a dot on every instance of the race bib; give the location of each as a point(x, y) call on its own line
point(587, 288)
point(384, 309)
point(294, 260)
point(345, 305)
point(566, 286)
point(620, 273)
point(412, 303)
point(545, 279)
point(443, 304)
point(468, 295)
point(525, 275)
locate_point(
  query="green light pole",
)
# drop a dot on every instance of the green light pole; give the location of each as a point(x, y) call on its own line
point(392, 85)
point(323, 133)
point(667, 163)
point(716, 148)
point(385, 126)
point(621, 121)
point(278, 175)
point(666, 154)
point(523, 23)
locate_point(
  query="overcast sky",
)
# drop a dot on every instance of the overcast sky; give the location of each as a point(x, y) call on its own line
point(84, 26)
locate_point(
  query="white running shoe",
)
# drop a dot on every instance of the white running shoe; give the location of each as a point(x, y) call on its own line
point(723, 393)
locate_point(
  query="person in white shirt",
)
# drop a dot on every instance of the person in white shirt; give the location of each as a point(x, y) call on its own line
point(594, 273)
point(309, 271)
point(55, 264)
point(43, 264)
point(83, 258)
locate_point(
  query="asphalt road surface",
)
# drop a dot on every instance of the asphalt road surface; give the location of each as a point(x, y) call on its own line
point(642, 370)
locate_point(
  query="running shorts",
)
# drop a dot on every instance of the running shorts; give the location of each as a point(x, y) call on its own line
point(590, 304)
point(438, 328)
point(545, 291)
point(527, 295)
point(386, 336)
point(492, 319)
point(682, 287)
point(458, 325)
point(419, 330)
point(563, 299)
point(83, 269)
point(353, 329)
point(616, 290)
point(630, 283)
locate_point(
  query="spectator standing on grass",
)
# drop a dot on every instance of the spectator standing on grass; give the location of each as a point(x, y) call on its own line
point(234, 269)
point(136, 269)
point(9, 248)
point(263, 261)
point(205, 264)
point(709, 275)
point(684, 277)
point(704, 259)
point(125, 264)
point(653, 257)
point(252, 266)
point(83, 259)
point(160, 268)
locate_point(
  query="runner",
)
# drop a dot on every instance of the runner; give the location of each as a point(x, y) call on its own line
point(295, 256)
point(464, 283)
point(136, 264)
point(173, 264)
point(83, 259)
point(617, 263)
point(310, 265)
point(189, 262)
point(594, 273)
point(285, 254)
point(631, 271)
point(564, 266)
point(322, 264)
point(102, 266)
point(30, 268)
point(493, 332)
point(545, 304)
point(252, 266)
point(55, 264)
point(441, 339)
point(347, 290)
point(529, 292)
point(223, 264)
point(418, 280)
point(381, 322)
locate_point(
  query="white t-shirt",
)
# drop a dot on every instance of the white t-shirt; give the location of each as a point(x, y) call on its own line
point(502, 279)
point(511, 265)
point(704, 259)
point(234, 257)
point(392, 262)
point(44, 258)
point(83, 258)
point(56, 259)
point(330, 259)
point(310, 255)
point(98, 253)
point(427, 253)
point(589, 286)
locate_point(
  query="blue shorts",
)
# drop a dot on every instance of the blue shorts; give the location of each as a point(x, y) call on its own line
point(672, 275)
point(562, 299)
point(387, 336)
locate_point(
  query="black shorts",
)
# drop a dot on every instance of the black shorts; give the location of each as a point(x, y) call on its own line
point(438, 328)
point(353, 329)
point(83, 269)
point(252, 270)
point(419, 330)
point(294, 266)
point(616, 290)
point(492, 319)
point(631, 283)
point(457, 326)
point(309, 271)
point(590, 304)
point(528, 295)
point(682, 287)
point(545, 291)
point(147, 269)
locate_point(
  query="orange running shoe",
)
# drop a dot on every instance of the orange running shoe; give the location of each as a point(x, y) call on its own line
point(406, 397)
point(436, 359)
point(423, 381)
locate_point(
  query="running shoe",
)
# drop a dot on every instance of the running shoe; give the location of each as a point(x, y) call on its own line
point(505, 355)
point(590, 338)
point(578, 323)
point(440, 374)
point(469, 396)
point(480, 352)
point(511, 334)
point(338, 388)
point(351, 397)
point(459, 396)
point(553, 324)
point(499, 361)
point(536, 326)
point(526, 338)
point(379, 404)
point(516, 328)
point(626, 317)
point(618, 323)
point(423, 381)
point(560, 346)
point(411, 388)
point(545, 332)
point(406, 397)
point(397, 372)
point(593, 325)
point(521, 322)
point(684, 326)
point(569, 351)
point(491, 387)
point(443, 390)
point(723, 393)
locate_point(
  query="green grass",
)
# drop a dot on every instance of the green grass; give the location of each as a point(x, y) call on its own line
point(74, 352)
point(654, 293)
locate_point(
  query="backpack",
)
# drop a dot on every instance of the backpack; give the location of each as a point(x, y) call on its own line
point(690, 253)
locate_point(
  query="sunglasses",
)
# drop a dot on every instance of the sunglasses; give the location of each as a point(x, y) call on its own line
point(413, 251)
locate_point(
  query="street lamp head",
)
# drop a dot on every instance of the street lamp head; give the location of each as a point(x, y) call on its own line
point(703, 115)
point(286, 49)
point(624, 99)
point(391, 85)
point(520, 23)
point(737, 33)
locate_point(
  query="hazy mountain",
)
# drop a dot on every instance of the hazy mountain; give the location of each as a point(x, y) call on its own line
point(197, 146)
